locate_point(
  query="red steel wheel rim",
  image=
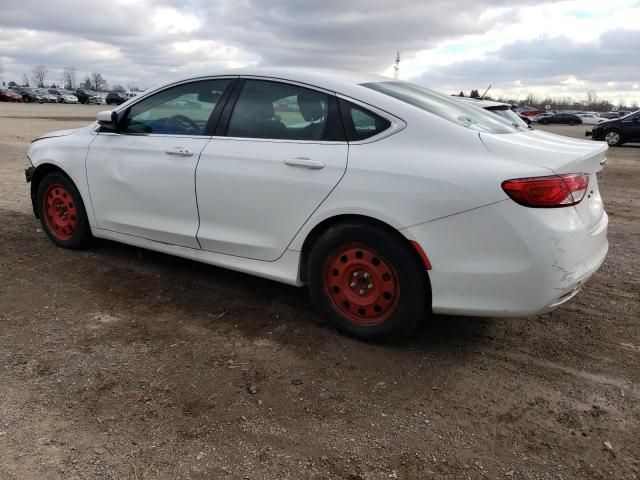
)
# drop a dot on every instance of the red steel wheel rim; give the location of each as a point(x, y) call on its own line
point(362, 285)
point(60, 212)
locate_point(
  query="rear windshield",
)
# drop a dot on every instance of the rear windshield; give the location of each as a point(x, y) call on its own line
point(444, 107)
point(509, 115)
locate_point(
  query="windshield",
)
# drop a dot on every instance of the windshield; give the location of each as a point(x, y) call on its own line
point(510, 115)
point(444, 107)
point(630, 115)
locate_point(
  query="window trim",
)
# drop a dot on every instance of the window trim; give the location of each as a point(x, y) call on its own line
point(397, 124)
point(333, 113)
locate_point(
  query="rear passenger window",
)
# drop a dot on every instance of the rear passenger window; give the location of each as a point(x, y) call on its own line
point(361, 123)
point(279, 111)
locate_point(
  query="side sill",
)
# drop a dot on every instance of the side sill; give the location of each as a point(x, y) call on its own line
point(284, 270)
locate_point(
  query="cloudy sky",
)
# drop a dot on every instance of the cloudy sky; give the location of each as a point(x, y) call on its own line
point(559, 48)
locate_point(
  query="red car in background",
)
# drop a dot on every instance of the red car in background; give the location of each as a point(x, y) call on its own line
point(7, 95)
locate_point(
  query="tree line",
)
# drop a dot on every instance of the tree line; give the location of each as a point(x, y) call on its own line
point(94, 81)
point(591, 102)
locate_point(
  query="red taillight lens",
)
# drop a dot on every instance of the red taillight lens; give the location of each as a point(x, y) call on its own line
point(548, 192)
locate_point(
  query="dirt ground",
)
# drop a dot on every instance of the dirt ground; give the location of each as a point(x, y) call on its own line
point(117, 362)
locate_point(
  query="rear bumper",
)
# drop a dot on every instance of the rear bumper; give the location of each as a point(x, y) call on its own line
point(508, 260)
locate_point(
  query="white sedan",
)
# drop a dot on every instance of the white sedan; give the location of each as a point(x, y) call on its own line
point(591, 119)
point(389, 200)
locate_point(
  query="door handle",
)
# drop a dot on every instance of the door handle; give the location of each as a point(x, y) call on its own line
point(180, 151)
point(305, 163)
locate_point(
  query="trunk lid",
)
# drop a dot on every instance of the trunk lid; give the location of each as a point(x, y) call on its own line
point(558, 153)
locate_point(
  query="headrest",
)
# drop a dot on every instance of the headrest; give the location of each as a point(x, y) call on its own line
point(311, 107)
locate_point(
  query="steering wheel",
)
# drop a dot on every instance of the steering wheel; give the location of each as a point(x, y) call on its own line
point(181, 122)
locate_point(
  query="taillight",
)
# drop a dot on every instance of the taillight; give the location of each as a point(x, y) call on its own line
point(548, 192)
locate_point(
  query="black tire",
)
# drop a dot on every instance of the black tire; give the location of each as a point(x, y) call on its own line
point(73, 231)
point(403, 311)
point(606, 138)
point(544, 122)
point(572, 123)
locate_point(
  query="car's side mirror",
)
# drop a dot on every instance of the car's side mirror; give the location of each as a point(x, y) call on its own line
point(108, 120)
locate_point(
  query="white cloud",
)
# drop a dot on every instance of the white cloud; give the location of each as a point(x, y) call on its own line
point(172, 21)
point(563, 47)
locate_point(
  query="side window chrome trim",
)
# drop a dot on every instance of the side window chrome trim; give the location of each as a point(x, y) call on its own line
point(290, 82)
point(280, 140)
point(397, 124)
point(138, 98)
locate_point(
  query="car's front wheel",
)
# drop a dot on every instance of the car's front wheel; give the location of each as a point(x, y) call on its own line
point(368, 282)
point(61, 211)
point(613, 138)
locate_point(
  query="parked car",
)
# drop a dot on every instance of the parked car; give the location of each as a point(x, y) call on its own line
point(65, 96)
point(87, 96)
point(116, 98)
point(28, 94)
point(590, 118)
point(609, 115)
point(540, 116)
point(7, 95)
point(389, 200)
point(46, 96)
point(505, 110)
point(560, 118)
point(618, 131)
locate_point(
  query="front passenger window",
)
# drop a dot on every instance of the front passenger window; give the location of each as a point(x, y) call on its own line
point(181, 110)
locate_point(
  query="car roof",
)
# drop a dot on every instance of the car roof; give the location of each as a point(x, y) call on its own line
point(339, 81)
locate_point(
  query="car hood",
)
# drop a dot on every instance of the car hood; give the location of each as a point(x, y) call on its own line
point(57, 133)
point(608, 121)
point(558, 153)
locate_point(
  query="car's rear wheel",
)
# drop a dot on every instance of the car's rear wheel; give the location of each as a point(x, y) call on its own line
point(572, 123)
point(368, 282)
point(544, 122)
point(61, 211)
point(613, 138)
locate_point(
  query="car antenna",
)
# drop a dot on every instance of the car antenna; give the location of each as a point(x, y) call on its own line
point(485, 92)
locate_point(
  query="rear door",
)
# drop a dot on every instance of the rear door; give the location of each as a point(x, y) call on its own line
point(278, 153)
point(142, 177)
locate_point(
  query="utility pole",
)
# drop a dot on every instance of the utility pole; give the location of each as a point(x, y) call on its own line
point(396, 65)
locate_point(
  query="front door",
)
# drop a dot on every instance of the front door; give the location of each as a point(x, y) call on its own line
point(281, 157)
point(142, 178)
point(631, 128)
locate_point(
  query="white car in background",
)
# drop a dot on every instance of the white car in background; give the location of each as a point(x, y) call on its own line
point(389, 200)
point(591, 118)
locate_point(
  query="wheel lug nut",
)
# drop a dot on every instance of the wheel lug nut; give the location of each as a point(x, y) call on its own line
point(362, 292)
point(355, 274)
point(370, 286)
point(365, 275)
point(352, 284)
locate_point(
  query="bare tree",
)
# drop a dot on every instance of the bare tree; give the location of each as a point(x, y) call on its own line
point(25, 80)
point(69, 78)
point(117, 88)
point(98, 82)
point(86, 83)
point(39, 74)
